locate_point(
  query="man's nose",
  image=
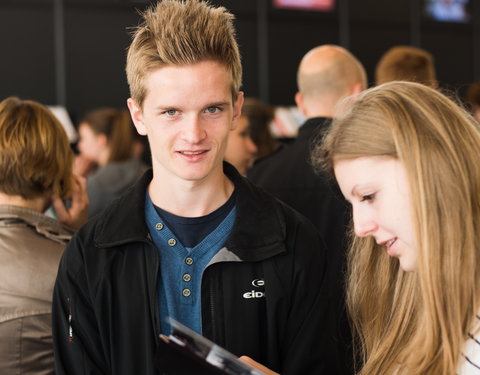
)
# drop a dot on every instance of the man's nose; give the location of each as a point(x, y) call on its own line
point(194, 131)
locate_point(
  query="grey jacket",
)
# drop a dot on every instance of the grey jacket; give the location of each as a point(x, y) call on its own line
point(31, 245)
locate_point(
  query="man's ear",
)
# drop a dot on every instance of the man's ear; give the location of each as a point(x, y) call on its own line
point(353, 91)
point(357, 88)
point(137, 116)
point(300, 103)
point(237, 109)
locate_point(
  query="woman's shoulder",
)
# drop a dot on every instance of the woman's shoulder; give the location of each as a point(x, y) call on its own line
point(470, 359)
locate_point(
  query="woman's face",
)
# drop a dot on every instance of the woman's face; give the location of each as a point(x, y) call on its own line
point(240, 148)
point(91, 145)
point(378, 189)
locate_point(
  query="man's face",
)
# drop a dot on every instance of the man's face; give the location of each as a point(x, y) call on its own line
point(187, 114)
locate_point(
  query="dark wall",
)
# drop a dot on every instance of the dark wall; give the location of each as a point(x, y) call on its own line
point(72, 52)
point(27, 62)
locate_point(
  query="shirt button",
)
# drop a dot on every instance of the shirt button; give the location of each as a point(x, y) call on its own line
point(187, 277)
point(172, 242)
point(159, 226)
point(189, 261)
point(186, 292)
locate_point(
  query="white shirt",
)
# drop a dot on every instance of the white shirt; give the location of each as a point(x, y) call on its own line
point(470, 362)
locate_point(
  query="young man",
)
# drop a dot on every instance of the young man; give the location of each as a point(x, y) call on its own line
point(193, 240)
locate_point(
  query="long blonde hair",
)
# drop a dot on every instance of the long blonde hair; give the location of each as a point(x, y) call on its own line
point(414, 323)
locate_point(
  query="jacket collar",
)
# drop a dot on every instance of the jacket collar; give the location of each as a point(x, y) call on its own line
point(312, 127)
point(43, 225)
point(259, 230)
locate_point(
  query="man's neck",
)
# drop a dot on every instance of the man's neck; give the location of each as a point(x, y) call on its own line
point(190, 198)
point(315, 112)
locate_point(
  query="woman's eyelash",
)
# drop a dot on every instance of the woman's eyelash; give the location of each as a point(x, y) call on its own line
point(367, 197)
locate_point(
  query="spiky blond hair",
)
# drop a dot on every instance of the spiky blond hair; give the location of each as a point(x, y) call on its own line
point(182, 33)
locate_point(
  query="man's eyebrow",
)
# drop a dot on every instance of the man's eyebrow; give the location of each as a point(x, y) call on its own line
point(165, 106)
point(218, 104)
point(173, 106)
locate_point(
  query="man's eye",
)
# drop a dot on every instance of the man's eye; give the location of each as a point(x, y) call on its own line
point(171, 112)
point(213, 109)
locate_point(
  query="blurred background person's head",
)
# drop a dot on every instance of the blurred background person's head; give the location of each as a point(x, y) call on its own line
point(473, 99)
point(252, 138)
point(406, 63)
point(241, 149)
point(35, 154)
point(325, 75)
point(260, 116)
point(106, 135)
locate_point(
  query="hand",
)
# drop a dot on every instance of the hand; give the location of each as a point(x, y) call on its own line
point(83, 166)
point(77, 214)
point(257, 365)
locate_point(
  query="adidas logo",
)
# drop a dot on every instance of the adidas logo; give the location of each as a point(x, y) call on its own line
point(253, 294)
point(257, 283)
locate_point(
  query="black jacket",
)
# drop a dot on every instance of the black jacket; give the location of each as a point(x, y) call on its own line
point(288, 175)
point(105, 310)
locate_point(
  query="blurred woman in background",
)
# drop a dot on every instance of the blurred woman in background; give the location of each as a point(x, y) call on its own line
point(241, 149)
point(251, 139)
point(107, 142)
point(260, 116)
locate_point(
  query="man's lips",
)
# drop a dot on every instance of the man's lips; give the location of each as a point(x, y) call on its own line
point(192, 152)
point(193, 156)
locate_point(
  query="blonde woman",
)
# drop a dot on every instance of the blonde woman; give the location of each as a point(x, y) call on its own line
point(407, 159)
